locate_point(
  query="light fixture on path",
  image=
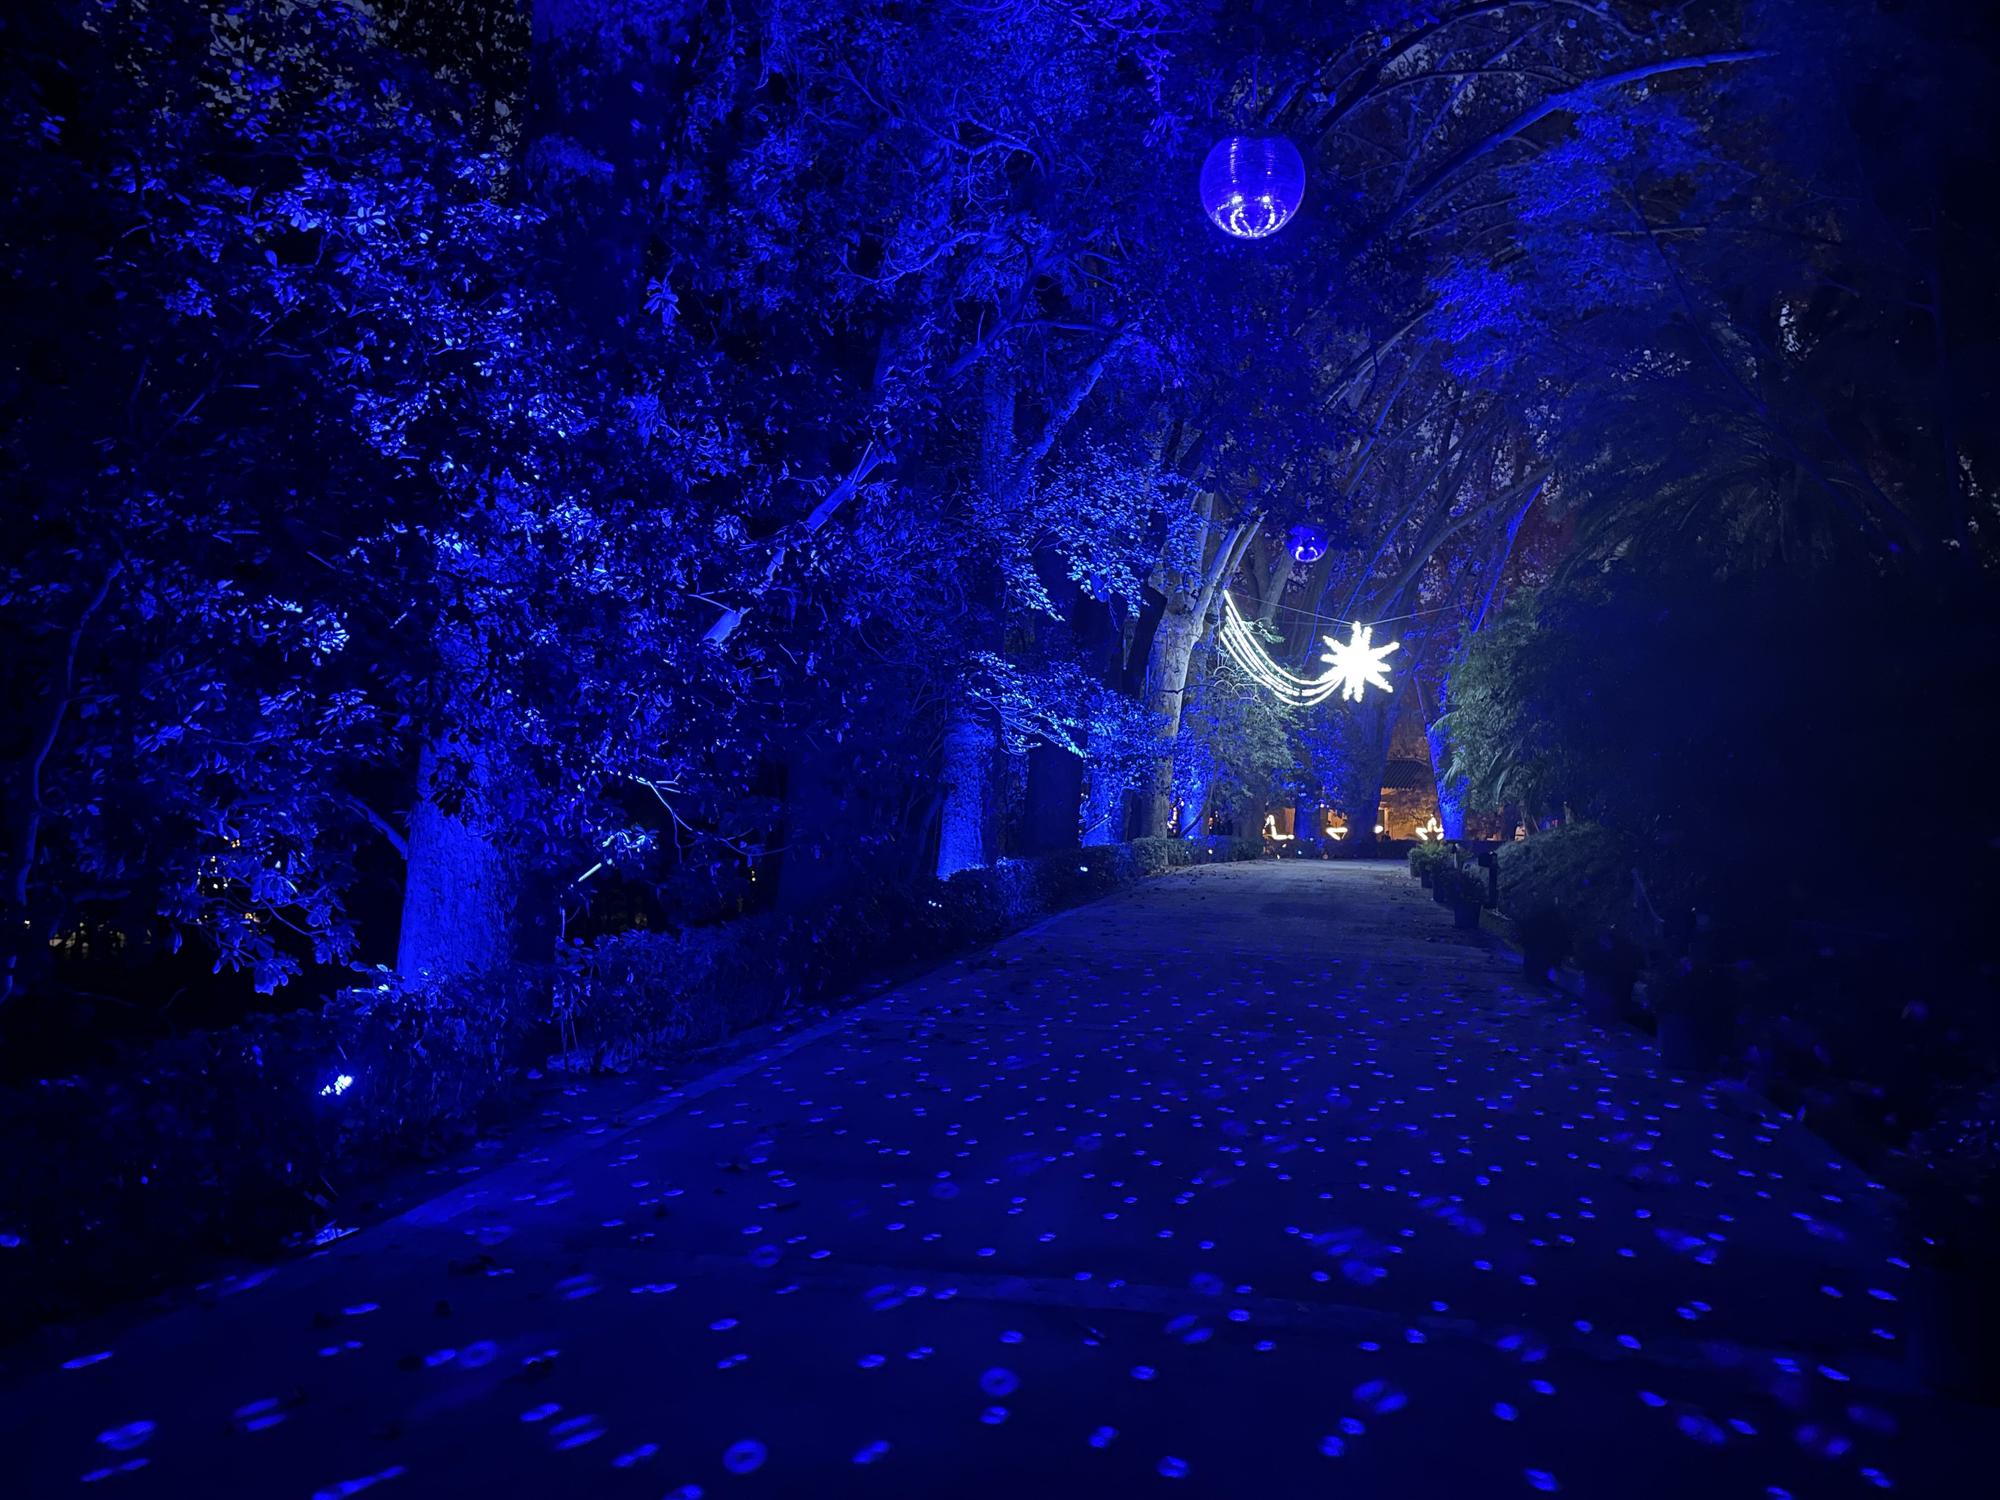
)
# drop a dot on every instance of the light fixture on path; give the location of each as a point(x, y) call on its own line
point(1252, 185)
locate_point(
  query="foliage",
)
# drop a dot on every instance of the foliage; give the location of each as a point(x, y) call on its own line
point(1611, 955)
point(1235, 751)
point(1546, 935)
point(1462, 885)
point(1105, 519)
point(224, 1140)
point(1701, 992)
point(1580, 870)
point(354, 498)
point(631, 451)
point(1628, 691)
point(1432, 856)
point(1058, 703)
point(1503, 748)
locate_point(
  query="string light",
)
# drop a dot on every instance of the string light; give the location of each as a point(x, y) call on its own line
point(1357, 663)
point(1245, 650)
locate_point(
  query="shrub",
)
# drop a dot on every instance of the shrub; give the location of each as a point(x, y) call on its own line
point(230, 1140)
point(1433, 857)
point(1580, 870)
point(1544, 932)
point(1611, 956)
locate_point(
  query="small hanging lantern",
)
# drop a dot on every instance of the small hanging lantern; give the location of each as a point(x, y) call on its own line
point(1308, 543)
point(1252, 185)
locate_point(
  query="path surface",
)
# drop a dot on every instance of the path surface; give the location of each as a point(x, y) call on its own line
point(1253, 1181)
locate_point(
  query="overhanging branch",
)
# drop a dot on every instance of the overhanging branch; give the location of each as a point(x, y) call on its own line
point(1568, 99)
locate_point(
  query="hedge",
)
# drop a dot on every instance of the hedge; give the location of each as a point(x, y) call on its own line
point(127, 1177)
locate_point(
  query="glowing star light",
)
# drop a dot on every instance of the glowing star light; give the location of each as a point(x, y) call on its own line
point(1358, 664)
point(1355, 664)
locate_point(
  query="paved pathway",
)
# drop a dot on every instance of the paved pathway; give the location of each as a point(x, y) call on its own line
point(1253, 1181)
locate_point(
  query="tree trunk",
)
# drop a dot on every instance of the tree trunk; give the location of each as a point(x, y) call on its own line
point(828, 813)
point(1450, 791)
point(1368, 758)
point(1194, 813)
point(1166, 686)
point(466, 904)
point(968, 754)
point(1055, 790)
point(1180, 629)
point(1275, 582)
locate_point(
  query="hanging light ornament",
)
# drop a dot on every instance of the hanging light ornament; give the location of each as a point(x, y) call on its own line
point(1356, 663)
point(1308, 543)
point(1252, 185)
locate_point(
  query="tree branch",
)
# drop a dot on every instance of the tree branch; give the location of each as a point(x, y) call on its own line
point(380, 824)
point(1078, 393)
point(839, 495)
point(24, 862)
point(1568, 99)
point(1530, 486)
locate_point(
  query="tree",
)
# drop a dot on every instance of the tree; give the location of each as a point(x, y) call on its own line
point(264, 235)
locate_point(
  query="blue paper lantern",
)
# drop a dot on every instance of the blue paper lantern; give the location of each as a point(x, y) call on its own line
point(1308, 543)
point(1252, 185)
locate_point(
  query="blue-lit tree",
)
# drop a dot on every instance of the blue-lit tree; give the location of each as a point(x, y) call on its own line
point(280, 375)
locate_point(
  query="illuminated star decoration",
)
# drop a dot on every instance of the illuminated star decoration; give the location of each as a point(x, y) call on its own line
point(1357, 664)
point(1240, 641)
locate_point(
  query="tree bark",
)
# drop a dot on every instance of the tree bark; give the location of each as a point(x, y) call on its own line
point(1180, 629)
point(1194, 812)
point(1200, 786)
point(1166, 687)
point(968, 755)
point(1275, 582)
point(1368, 757)
point(467, 906)
point(24, 939)
point(1450, 790)
point(1104, 806)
